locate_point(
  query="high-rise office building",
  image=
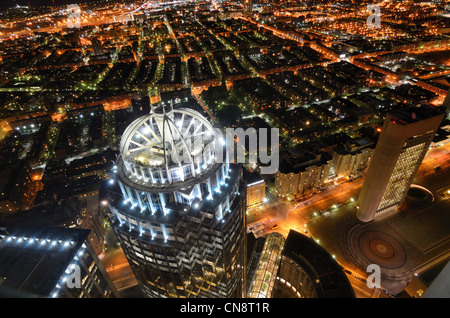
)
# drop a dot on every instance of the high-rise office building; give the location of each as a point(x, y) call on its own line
point(181, 223)
point(403, 143)
point(51, 262)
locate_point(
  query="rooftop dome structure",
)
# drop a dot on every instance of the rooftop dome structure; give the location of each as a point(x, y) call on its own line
point(168, 146)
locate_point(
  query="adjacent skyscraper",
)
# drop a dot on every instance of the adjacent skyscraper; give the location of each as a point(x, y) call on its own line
point(180, 221)
point(51, 262)
point(403, 143)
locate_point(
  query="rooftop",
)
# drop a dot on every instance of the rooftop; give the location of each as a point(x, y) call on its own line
point(405, 116)
point(320, 265)
point(33, 259)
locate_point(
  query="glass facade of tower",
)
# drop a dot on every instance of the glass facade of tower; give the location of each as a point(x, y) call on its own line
point(181, 225)
point(265, 275)
point(404, 171)
point(406, 136)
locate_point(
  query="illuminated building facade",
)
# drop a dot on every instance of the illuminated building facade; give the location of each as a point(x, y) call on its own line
point(180, 222)
point(403, 143)
point(265, 275)
point(256, 191)
point(303, 174)
point(352, 159)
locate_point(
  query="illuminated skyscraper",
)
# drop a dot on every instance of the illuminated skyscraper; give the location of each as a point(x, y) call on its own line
point(180, 222)
point(403, 143)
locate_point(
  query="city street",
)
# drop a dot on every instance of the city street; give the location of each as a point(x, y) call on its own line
point(436, 157)
point(118, 269)
point(289, 215)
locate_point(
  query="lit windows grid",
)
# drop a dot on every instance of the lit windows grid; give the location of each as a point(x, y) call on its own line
point(296, 279)
point(195, 238)
point(264, 278)
point(255, 195)
point(405, 169)
point(203, 248)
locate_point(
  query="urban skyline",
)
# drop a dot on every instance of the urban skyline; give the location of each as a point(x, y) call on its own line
point(227, 149)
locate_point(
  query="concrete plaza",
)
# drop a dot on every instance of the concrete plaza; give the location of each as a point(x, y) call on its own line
point(403, 243)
